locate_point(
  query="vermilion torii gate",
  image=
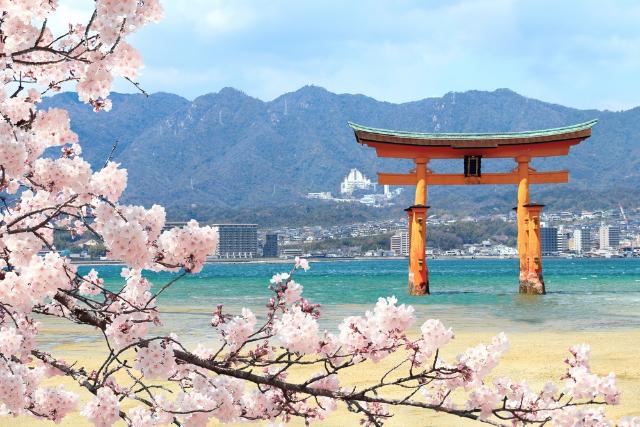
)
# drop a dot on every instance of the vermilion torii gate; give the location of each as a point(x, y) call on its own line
point(473, 147)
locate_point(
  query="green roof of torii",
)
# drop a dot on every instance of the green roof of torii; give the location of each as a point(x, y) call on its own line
point(580, 130)
point(478, 135)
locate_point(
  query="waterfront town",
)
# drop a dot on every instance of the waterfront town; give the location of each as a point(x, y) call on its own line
point(612, 233)
point(609, 233)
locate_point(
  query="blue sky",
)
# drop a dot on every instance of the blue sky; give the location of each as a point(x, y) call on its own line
point(583, 54)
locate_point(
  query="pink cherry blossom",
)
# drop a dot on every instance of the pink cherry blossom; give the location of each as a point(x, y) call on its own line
point(109, 182)
point(236, 331)
point(293, 292)
point(301, 263)
point(156, 360)
point(91, 283)
point(279, 278)
point(125, 329)
point(13, 157)
point(188, 246)
point(54, 403)
point(14, 388)
point(378, 333)
point(10, 341)
point(104, 409)
point(434, 336)
point(480, 360)
point(485, 399)
point(297, 330)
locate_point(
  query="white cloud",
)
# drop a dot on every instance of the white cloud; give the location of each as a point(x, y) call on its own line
point(211, 17)
point(228, 19)
point(583, 54)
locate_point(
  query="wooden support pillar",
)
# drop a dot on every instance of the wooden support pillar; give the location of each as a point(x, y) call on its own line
point(421, 182)
point(418, 271)
point(522, 215)
point(534, 282)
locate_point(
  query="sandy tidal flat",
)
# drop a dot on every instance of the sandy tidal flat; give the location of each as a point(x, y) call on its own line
point(535, 356)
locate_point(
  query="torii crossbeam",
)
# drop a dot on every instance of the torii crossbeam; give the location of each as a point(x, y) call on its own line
point(473, 147)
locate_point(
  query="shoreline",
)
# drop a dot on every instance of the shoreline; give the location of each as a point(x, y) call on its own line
point(96, 262)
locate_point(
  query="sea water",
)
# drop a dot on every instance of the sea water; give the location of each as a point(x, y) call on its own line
point(477, 294)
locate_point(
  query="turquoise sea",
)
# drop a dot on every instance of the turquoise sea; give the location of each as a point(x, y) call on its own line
point(479, 294)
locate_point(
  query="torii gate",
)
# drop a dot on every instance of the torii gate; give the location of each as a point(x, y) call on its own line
point(472, 147)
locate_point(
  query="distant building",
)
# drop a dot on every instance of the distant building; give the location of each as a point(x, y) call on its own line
point(595, 238)
point(355, 180)
point(400, 243)
point(581, 240)
point(609, 236)
point(549, 240)
point(270, 249)
point(563, 240)
point(603, 236)
point(614, 236)
point(587, 215)
point(291, 252)
point(576, 241)
point(323, 195)
point(374, 199)
point(237, 240)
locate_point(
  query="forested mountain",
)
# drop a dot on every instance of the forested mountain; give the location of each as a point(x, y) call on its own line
point(229, 155)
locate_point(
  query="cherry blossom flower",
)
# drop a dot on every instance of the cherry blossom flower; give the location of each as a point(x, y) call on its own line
point(301, 263)
point(104, 409)
point(156, 360)
point(236, 331)
point(54, 403)
point(297, 330)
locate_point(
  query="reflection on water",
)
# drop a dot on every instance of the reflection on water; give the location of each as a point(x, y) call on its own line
point(583, 294)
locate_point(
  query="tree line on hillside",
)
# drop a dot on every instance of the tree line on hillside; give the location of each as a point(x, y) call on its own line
point(441, 236)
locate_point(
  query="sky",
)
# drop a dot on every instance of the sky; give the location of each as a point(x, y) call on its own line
point(583, 54)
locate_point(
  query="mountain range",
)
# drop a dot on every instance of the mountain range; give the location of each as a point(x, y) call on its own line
point(229, 156)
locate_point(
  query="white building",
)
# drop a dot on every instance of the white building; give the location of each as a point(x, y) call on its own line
point(581, 240)
point(609, 236)
point(355, 180)
point(577, 241)
point(290, 252)
point(323, 195)
point(562, 239)
point(400, 243)
point(374, 200)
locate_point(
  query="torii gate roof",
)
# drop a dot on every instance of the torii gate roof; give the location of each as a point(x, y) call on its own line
point(450, 145)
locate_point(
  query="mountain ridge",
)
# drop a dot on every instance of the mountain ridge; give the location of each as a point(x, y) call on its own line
point(226, 150)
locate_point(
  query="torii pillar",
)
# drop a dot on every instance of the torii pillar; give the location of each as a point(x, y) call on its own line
point(533, 282)
point(529, 246)
point(417, 221)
